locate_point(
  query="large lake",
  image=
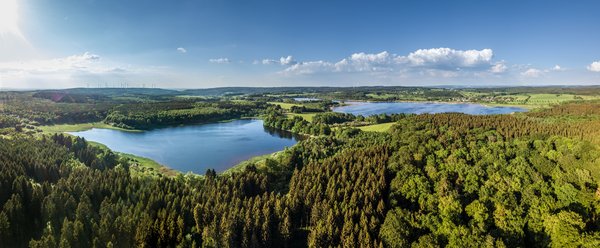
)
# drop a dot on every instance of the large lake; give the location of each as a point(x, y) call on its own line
point(373, 108)
point(196, 148)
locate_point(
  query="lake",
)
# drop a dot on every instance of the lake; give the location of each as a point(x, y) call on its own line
point(196, 148)
point(373, 108)
point(306, 99)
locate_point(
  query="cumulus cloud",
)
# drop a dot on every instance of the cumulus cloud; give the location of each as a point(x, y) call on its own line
point(181, 50)
point(366, 62)
point(594, 66)
point(499, 67)
point(220, 61)
point(557, 68)
point(269, 61)
point(450, 58)
point(532, 72)
point(366, 58)
point(288, 60)
point(357, 62)
point(310, 67)
point(445, 59)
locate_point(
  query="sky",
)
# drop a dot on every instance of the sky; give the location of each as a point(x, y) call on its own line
point(214, 43)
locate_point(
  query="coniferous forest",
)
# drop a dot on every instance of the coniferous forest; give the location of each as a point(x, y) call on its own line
point(431, 180)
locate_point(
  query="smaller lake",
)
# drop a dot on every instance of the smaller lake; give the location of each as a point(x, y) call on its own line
point(374, 108)
point(196, 148)
point(306, 99)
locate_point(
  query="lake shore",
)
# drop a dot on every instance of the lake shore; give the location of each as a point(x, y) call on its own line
point(146, 165)
point(61, 128)
point(196, 148)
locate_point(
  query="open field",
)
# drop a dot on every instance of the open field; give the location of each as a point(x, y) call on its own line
point(149, 166)
point(377, 127)
point(534, 99)
point(550, 98)
point(381, 96)
point(258, 161)
point(80, 127)
point(306, 116)
point(519, 99)
point(284, 105)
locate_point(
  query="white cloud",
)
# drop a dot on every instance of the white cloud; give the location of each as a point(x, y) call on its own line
point(310, 67)
point(83, 61)
point(357, 62)
point(220, 61)
point(181, 50)
point(444, 59)
point(450, 58)
point(594, 66)
point(532, 72)
point(289, 60)
point(499, 67)
point(269, 61)
point(366, 62)
point(72, 71)
point(557, 68)
point(379, 58)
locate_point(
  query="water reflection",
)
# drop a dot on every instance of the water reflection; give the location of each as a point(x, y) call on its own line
point(284, 134)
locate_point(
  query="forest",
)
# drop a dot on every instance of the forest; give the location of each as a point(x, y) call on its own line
point(432, 180)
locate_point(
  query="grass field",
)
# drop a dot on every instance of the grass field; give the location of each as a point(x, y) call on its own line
point(472, 94)
point(150, 165)
point(519, 99)
point(80, 127)
point(549, 98)
point(307, 116)
point(537, 100)
point(381, 96)
point(284, 105)
point(258, 161)
point(377, 127)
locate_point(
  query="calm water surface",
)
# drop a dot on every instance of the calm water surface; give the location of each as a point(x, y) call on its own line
point(196, 148)
point(373, 108)
point(306, 99)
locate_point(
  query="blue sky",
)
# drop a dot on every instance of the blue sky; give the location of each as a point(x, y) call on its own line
point(198, 44)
